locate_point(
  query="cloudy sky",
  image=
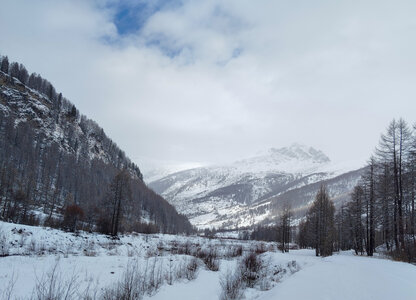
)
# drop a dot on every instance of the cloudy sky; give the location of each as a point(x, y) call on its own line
point(214, 81)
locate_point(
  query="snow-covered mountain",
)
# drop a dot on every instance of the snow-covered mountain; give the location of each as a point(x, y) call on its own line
point(252, 190)
point(155, 170)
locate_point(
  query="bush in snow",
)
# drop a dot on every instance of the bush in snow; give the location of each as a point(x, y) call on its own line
point(4, 244)
point(234, 251)
point(53, 286)
point(89, 249)
point(251, 272)
point(130, 287)
point(210, 259)
point(191, 269)
point(138, 281)
point(73, 214)
point(232, 286)
point(293, 266)
point(186, 269)
point(260, 248)
point(245, 275)
point(250, 267)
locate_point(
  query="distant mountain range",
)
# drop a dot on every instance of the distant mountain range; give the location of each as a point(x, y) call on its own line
point(252, 191)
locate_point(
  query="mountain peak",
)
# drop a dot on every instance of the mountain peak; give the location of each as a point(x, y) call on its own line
point(300, 152)
point(295, 158)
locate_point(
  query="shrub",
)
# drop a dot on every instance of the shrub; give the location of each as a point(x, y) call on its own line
point(250, 269)
point(260, 248)
point(129, 287)
point(104, 225)
point(72, 215)
point(232, 286)
point(210, 259)
point(191, 269)
point(32, 220)
point(52, 285)
point(4, 244)
point(136, 282)
point(234, 251)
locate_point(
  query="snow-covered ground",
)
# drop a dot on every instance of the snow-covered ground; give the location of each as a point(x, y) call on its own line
point(96, 262)
point(342, 276)
point(346, 276)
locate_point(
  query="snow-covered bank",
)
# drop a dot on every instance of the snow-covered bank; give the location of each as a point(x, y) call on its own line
point(342, 276)
point(346, 276)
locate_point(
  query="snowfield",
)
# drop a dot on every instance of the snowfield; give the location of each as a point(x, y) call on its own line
point(94, 262)
point(346, 276)
point(342, 276)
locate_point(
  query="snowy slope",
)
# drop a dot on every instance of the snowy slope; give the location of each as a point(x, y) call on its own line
point(57, 154)
point(237, 193)
point(155, 170)
point(26, 105)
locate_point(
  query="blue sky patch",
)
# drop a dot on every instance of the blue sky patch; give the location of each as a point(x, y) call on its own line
point(131, 16)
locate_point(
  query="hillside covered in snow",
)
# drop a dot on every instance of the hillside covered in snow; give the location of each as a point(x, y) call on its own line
point(53, 157)
point(252, 190)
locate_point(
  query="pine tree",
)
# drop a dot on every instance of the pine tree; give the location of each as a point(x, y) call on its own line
point(5, 65)
point(23, 74)
point(14, 69)
point(73, 111)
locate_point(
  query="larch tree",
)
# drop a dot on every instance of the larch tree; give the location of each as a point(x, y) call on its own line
point(393, 149)
point(355, 212)
point(120, 194)
point(285, 228)
point(321, 219)
point(383, 202)
point(370, 183)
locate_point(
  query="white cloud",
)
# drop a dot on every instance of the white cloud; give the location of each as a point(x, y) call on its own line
point(216, 80)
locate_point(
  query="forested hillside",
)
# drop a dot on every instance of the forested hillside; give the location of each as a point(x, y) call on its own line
point(58, 166)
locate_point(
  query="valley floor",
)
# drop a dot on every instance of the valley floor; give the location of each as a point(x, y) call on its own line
point(346, 276)
point(342, 276)
point(94, 262)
